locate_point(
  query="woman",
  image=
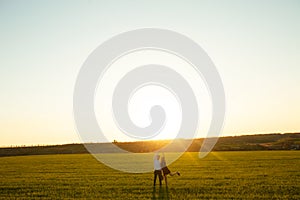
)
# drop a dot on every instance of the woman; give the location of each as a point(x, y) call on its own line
point(165, 169)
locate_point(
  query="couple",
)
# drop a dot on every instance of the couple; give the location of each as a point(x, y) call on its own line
point(161, 166)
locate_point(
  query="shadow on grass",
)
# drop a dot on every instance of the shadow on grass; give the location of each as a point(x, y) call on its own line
point(160, 193)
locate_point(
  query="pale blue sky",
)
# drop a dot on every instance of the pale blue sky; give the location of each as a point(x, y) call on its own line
point(254, 44)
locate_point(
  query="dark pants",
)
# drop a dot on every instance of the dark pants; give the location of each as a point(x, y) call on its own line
point(157, 173)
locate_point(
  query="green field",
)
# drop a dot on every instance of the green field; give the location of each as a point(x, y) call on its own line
point(221, 175)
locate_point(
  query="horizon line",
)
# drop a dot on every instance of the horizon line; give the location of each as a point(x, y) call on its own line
point(115, 141)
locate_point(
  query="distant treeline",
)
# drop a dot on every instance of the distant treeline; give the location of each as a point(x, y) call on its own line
point(287, 141)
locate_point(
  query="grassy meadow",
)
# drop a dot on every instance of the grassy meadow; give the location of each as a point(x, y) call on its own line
point(220, 175)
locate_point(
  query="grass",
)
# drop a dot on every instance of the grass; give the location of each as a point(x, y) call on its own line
point(221, 175)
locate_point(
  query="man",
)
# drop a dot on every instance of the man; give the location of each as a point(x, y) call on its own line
point(157, 169)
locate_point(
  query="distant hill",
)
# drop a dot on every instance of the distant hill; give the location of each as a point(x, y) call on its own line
point(287, 141)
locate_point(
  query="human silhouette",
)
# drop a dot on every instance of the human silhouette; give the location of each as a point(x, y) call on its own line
point(166, 170)
point(157, 169)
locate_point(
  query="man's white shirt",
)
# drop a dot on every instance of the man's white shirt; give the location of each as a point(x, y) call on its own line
point(156, 163)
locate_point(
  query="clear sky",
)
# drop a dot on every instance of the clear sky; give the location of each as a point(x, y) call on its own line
point(254, 44)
